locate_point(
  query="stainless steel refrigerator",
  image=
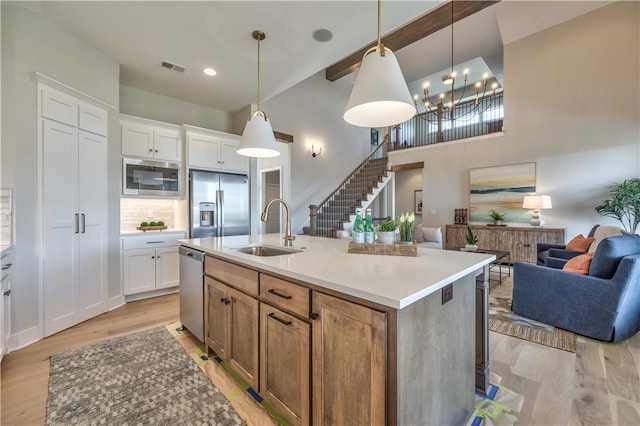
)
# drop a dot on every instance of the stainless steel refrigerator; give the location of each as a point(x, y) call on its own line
point(218, 204)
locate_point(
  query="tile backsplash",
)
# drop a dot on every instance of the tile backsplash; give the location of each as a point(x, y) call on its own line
point(136, 210)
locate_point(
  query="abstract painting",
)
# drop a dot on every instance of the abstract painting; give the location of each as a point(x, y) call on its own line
point(501, 188)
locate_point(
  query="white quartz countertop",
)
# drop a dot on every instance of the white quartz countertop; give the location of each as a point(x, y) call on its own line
point(393, 281)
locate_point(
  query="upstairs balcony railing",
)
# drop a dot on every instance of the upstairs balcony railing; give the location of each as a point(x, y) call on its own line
point(435, 126)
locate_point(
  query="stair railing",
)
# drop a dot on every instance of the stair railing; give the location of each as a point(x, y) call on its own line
point(380, 152)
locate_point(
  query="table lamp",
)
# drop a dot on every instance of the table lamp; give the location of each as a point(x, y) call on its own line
point(535, 203)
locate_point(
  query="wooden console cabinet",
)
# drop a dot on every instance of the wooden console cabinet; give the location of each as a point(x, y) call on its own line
point(520, 242)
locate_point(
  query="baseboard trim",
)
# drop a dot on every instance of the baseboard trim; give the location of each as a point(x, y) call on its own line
point(154, 293)
point(23, 339)
point(115, 302)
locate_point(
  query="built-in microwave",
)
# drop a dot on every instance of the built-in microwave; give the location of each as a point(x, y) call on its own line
point(150, 178)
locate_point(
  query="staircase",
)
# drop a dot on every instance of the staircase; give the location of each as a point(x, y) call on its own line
point(355, 191)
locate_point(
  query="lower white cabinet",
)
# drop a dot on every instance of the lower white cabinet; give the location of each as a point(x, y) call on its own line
point(150, 263)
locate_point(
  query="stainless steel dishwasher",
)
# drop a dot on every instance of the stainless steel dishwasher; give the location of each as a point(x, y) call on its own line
point(192, 291)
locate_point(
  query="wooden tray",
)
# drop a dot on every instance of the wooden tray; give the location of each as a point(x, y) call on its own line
point(384, 249)
point(150, 228)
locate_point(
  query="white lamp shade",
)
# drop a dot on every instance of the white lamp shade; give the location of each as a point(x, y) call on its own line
point(380, 95)
point(532, 202)
point(257, 138)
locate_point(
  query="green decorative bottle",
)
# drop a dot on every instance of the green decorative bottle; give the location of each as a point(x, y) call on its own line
point(369, 230)
point(358, 228)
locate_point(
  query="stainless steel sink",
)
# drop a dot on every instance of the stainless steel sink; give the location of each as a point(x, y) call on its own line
point(265, 250)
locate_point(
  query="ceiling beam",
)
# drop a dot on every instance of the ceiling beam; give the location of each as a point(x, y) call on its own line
point(418, 29)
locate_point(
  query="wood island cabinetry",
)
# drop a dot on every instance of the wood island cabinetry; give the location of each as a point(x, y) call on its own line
point(520, 242)
point(348, 348)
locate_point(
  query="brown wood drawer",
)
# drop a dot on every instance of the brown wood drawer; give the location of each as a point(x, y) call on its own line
point(236, 276)
point(284, 294)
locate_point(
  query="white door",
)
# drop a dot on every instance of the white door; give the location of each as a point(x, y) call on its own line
point(92, 193)
point(167, 145)
point(137, 141)
point(139, 270)
point(60, 225)
point(167, 267)
point(233, 161)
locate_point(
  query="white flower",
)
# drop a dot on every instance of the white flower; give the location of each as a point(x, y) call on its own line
point(402, 218)
point(412, 218)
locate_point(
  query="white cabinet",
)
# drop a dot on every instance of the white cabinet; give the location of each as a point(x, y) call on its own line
point(73, 204)
point(5, 303)
point(150, 262)
point(143, 138)
point(211, 150)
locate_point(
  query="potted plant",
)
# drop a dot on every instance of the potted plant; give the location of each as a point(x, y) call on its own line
point(472, 240)
point(497, 217)
point(624, 204)
point(406, 227)
point(387, 232)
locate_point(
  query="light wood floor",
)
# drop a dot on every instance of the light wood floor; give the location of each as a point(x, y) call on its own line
point(598, 385)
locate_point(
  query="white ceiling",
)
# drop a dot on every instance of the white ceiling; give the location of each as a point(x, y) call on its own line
point(139, 35)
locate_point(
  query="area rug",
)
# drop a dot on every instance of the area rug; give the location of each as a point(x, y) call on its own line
point(502, 320)
point(142, 378)
point(500, 406)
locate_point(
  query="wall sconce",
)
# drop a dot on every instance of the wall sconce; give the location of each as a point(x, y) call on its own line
point(315, 154)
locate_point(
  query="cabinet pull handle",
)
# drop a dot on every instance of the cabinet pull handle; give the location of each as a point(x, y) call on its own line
point(7, 293)
point(153, 257)
point(224, 300)
point(7, 266)
point(156, 150)
point(275, 293)
point(84, 221)
point(158, 256)
point(155, 242)
point(314, 316)
point(150, 150)
point(272, 315)
point(77, 223)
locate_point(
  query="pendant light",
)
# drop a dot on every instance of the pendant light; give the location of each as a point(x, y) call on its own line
point(380, 95)
point(257, 138)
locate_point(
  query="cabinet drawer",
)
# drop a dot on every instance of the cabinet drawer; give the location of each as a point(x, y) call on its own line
point(284, 294)
point(234, 275)
point(150, 242)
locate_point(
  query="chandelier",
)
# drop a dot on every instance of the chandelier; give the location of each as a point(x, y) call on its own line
point(447, 105)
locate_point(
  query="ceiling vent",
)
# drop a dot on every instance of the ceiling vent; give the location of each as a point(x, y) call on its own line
point(172, 66)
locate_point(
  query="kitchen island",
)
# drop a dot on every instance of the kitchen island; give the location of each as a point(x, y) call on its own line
point(330, 337)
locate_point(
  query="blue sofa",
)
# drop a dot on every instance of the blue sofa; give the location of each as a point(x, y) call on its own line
point(605, 304)
point(558, 251)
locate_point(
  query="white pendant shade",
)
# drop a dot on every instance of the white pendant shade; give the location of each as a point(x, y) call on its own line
point(380, 95)
point(257, 138)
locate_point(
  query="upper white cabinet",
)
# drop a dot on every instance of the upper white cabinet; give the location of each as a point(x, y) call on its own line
point(212, 150)
point(150, 139)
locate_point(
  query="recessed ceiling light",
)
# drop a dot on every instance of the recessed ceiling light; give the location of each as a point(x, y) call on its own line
point(322, 35)
point(209, 71)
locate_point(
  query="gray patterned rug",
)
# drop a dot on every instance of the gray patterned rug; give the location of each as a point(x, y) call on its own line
point(139, 379)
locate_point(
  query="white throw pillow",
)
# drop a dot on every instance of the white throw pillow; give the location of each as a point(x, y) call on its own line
point(432, 234)
point(601, 233)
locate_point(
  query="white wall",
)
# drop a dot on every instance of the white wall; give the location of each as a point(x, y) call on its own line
point(32, 43)
point(312, 112)
point(153, 106)
point(572, 105)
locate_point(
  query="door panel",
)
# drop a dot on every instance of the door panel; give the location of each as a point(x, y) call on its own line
point(59, 193)
point(167, 267)
point(285, 363)
point(139, 271)
point(349, 355)
point(167, 145)
point(243, 349)
point(92, 285)
point(232, 160)
point(218, 318)
point(203, 153)
point(137, 141)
